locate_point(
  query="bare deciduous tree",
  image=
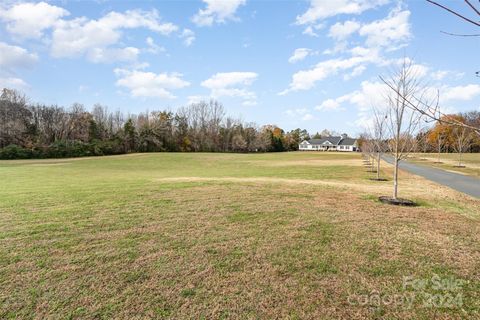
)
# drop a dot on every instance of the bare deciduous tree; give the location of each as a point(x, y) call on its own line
point(238, 143)
point(402, 122)
point(422, 141)
point(379, 133)
point(14, 117)
point(462, 141)
point(368, 149)
point(430, 111)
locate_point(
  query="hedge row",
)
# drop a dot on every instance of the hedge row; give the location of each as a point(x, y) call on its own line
point(62, 149)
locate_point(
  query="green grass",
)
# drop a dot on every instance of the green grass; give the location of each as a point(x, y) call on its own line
point(471, 161)
point(222, 236)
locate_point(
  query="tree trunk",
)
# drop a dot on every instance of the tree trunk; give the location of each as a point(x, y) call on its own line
point(378, 165)
point(439, 149)
point(395, 179)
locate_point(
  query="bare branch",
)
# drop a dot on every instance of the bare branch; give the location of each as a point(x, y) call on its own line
point(429, 112)
point(460, 35)
point(473, 7)
point(455, 13)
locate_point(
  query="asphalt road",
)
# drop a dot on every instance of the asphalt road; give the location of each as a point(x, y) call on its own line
point(459, 182)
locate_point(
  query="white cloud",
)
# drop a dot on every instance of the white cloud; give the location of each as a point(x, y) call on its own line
point(153, 47)
point(12, 83)
point(442, 74)
point(419, 70)
point(321, 9)
point(299, 113)
point(464, 93)
point(355, 73)
point(217, 11)
point(232, 84)
point(12, 57)
point(329, 104)
point(391, 33)
point(196, 99)
point(392, 30)
point(311, 30)
point(306, 79)
point(79, 36)
point(188, 37)
point(299, 54)
point(149, 84)
point(370, 94)
point(29, 20)
point(108, 55)
point(340, 31)
point(228, 79)
point(97, 39)
point(439, 74)
point(373, 94)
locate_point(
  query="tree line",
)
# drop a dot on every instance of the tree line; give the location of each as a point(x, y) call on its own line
point(442, 137)
point(48, 131)
point(447, 137)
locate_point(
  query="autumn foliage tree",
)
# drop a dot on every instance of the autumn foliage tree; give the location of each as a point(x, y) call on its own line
point(442, 131)
point(440, 136)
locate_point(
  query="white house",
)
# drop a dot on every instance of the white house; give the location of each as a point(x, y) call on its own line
point(341, 143)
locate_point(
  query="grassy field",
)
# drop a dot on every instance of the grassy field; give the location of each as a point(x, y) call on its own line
point(471, 161)
point(230, 236)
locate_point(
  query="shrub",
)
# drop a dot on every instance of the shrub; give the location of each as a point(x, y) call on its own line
point(15, 152)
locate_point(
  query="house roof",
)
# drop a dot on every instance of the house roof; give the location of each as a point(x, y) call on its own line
point(332, 140)
point(347, 142)
point(336, 141)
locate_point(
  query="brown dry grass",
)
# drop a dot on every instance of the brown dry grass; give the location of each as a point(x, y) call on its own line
point(210, 243)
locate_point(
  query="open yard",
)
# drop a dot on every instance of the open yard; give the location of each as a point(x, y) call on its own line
point(448, 161)
point(231, 236)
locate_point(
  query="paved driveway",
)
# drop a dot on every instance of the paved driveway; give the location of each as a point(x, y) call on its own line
point(459, 182)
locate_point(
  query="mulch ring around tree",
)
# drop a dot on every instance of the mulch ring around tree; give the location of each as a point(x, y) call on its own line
point(378, 179)
point(397, 202)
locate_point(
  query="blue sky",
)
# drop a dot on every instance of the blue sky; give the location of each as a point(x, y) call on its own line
point(309, 64)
